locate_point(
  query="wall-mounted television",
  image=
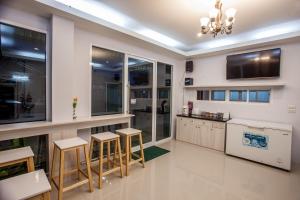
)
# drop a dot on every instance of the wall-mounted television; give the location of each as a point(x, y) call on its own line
point(260, 64)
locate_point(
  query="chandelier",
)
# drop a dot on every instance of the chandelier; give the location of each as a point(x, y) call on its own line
point(215, 24)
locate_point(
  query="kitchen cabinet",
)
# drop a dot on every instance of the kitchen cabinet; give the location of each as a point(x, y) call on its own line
point(205, 133)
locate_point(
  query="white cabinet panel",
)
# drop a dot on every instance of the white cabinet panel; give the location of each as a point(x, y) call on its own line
point(204, 133)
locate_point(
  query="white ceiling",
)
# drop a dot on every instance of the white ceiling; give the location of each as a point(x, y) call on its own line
point(174, 24)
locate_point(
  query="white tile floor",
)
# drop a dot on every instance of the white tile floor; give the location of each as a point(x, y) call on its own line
point(190, 172)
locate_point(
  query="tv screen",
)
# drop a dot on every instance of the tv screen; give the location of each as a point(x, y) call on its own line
point(139, 77)
point(260, 64)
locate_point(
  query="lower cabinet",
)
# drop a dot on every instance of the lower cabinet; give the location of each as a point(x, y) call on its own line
point(204, 133)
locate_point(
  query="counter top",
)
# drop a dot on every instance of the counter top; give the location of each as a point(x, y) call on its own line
point(203, 118)
point(47, 124)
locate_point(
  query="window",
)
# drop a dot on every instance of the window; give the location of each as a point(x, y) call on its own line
point(22, 75)
point(107, 81)
point(218, 95)
point(203, 95)
point(238, 95)
point(262, 96)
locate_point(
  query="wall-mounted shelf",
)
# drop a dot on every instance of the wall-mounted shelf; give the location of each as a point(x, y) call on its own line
point(238, 84)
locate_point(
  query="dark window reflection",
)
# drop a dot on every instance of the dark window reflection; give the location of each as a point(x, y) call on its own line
point(39, 146)
point(22, 75)
point(164, 99)
point(107, 81)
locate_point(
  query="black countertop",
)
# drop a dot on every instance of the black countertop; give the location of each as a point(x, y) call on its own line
point(204, 118)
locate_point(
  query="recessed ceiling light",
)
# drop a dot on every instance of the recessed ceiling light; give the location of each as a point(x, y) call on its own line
point(199, 34)
point(36, 49)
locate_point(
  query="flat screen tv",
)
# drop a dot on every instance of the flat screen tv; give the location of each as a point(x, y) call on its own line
point(260, 64)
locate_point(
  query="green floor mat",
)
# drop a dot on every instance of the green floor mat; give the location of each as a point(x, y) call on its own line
point(152, 152)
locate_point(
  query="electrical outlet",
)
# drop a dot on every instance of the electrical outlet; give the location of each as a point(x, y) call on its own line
point(292, 109)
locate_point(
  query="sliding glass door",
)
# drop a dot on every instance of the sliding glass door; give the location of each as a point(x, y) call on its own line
point(149, 98)
point(164, 100)
point(140, 86)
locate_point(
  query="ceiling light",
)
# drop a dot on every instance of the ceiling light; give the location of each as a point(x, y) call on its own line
point(214, 24)
point(265, 58)
point(36, 49)
point(199, 34)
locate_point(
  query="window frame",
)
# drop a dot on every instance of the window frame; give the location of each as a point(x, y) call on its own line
point(239, 100)
point(259, 90)
point(48, 81)
point(124, 71)
point(218, 100)
point(209, 92)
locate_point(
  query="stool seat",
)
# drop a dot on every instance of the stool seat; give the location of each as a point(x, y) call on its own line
point(24, 186)
point(15, 154)
point(128, 131)
point(105, 136)
point(70, 143)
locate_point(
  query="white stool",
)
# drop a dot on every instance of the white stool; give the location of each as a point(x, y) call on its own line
point(19, 155)
point(68, 145)
point(25, 186)
point(128, 133)
point(101, 138)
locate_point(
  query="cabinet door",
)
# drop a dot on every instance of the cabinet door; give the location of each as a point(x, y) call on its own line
point(179, 124)
point(205, 129)
point(218, 136)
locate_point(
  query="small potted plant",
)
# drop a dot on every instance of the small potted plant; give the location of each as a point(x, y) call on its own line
point(75, 100)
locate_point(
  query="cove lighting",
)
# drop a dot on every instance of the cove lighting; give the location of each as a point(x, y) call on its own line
point(277, 30)
point(159, 37)
point(101, 11)
point(21, 78)
point(28, 54)
point(96, 65)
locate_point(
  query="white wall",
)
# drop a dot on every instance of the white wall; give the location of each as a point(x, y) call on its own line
point(212, 70)
point(62, 68)
point(71, 49)
point(84, 38)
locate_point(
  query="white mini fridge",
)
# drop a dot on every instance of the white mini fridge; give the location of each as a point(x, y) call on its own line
point(264, 142)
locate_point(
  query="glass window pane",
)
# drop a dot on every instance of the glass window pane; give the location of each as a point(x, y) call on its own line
point(107, 81)
point(218, 95)
point(22, 75)
point(203, 95)
point(238, 95)
point(164, 92)
point(259, 96)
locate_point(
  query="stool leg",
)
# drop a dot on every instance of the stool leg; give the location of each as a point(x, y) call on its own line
point(130, 149)
point(127, 154)
point(142, 149)
point(108, 155)
point(78, 162)
point(53, 165)
point(88, 167)
point(91, 149)
point(30, 164)
point(46, 196)
point(61, 175)
point(115, 153)
point(118, 144)
point(100, 164)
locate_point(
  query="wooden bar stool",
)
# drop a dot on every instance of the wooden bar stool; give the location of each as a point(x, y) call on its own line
point(128, 133)
point(62, 146)
point(26, 186)
point(15, 156)
point(101, 139)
